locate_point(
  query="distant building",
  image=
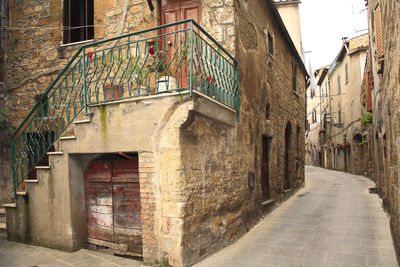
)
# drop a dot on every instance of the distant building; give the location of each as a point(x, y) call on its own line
point(315, 120)
point(290, 13)
point(345, 76)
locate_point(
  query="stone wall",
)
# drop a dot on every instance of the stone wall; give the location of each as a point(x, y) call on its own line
point(35, 53)
point(386, 101)
point(200, 174)
point(221, 203)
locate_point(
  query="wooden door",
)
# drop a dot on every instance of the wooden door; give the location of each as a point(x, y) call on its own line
point(266, 145)
point(172, 11)
point(113, 209)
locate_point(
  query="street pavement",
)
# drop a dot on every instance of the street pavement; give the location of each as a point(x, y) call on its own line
point(18, 254)
point(333, 221)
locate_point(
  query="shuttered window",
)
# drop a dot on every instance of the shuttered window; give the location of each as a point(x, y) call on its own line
point(294, 74)
point(78, 21)
point(369, 89)
point(378, 31)
point(338, 84)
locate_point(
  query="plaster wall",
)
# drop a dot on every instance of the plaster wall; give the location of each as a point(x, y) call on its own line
point(346, 101)
point(290, 14)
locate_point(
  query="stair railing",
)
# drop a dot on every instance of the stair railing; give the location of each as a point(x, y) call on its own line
point(175, 57)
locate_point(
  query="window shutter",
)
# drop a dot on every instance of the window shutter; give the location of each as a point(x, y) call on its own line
point(378, 31)
point(294, 74)
point(369, 89)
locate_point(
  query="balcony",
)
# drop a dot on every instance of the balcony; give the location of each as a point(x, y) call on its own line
point(178, 58)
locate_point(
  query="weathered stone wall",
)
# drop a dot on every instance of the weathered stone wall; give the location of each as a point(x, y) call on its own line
point(220, 160)
point(35, 53)
point(386, 101)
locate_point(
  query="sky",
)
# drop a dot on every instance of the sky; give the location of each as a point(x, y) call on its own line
point(325, 22)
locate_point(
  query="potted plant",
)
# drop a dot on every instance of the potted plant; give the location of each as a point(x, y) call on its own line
point(112, 89)
point(366, 118)
point(161, 65)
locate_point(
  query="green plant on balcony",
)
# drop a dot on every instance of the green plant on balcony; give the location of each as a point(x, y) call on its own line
point(366, 118)
point(363, 142)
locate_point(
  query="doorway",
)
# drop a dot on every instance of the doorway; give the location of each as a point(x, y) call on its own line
point(266, 147)
point(288, 133)
point(112, 200)
point(178, 36)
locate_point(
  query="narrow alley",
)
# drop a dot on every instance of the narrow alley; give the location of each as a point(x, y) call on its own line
point(333, 221)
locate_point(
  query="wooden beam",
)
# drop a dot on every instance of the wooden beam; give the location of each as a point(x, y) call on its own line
point(125, 155)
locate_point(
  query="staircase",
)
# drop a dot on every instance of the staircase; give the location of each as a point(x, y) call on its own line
point(61, 124)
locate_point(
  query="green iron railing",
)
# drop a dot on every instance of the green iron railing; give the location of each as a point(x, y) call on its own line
point(174, 57)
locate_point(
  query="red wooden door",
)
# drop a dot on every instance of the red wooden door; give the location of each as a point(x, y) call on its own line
point(113, 208)
point(172, 11)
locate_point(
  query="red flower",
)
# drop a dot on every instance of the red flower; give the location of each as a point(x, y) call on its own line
point(151, 51)
point(210, 80)
point(90, 55)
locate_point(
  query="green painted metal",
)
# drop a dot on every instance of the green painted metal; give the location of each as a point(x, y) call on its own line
point(143, 63)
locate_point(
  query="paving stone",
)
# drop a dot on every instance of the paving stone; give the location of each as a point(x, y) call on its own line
point(318, 227)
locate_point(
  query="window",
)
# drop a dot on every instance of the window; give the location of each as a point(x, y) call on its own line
point(314, 116)
point(340, 116)
point(270, 45)
point(378, 31)
point(327, 85)
point(294, 74)
point(338, 84)
point(78, 21)
point(369, 90)
point(346, 72)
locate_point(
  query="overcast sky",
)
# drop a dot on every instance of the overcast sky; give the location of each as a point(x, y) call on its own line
point(325, 22)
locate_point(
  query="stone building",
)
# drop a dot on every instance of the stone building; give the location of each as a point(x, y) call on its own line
point(166, 142)
point(384, 34)
point(289, 11)
point(343, 134)
point(316, 96)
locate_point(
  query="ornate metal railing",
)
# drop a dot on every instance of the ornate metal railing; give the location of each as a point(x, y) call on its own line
point(174, 57)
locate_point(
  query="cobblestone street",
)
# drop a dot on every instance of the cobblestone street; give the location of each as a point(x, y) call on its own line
point(333, 221)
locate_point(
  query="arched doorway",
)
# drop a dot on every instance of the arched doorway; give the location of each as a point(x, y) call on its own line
point(288, 133)
point(357, 155)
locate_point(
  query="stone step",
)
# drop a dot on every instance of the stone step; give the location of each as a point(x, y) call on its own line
point(68, 137)
point(2, 211)
point(59, 153)
point(3, 226)
point(9, 205)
